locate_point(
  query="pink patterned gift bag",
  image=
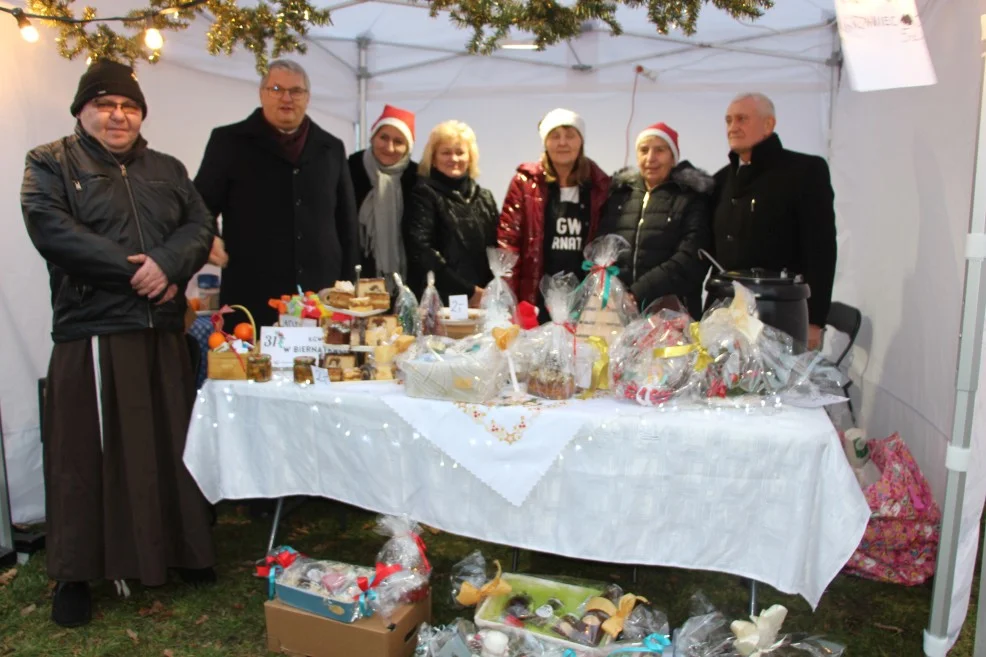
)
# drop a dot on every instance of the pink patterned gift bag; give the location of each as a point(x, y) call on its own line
point(901, 539)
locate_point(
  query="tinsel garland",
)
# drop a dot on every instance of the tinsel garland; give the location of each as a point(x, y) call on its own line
point(274, 27)
point(268, 29)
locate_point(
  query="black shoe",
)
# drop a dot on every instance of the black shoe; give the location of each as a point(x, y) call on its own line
point(72, 604)
point(198, 576)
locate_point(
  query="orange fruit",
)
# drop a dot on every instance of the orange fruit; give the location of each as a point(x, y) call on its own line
point(195, 304)
point(243, 332)
point(216, 340)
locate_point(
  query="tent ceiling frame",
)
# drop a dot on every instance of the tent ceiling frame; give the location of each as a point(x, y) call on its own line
point(726, 45)
point(688, 45)
point(349, 67)
point(408, 67)
point(706, 45)
point(436, 49)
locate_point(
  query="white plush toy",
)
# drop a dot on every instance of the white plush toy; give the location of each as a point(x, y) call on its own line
point(759, 637)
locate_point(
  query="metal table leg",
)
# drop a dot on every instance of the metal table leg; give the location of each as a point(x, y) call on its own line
point(515, 562)
point(753, 597)
point(277, 521)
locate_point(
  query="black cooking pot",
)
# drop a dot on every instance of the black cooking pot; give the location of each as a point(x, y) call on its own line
point(782, 298)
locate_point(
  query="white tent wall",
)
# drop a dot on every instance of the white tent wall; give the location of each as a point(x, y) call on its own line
point(38, 86)
point(902, 169)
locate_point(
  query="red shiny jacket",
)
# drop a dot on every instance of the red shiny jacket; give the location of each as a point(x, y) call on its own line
point(521, 226)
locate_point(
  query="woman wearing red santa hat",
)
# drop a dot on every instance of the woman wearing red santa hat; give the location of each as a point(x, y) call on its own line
point(553, 206)
point(383, 177)
point(663, 208)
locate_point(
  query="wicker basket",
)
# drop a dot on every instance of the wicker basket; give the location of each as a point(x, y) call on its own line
point(228, 365)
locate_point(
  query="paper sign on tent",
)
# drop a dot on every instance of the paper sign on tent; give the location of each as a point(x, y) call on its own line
point(883, 43)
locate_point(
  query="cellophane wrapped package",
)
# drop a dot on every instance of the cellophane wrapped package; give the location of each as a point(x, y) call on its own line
point(601, 305)
point(405, 548)
point(406, 308)
point(552, 371)
point(430, 309)
point(499, 303)
point(740, 355)
point(654, 359)
point(472, 370)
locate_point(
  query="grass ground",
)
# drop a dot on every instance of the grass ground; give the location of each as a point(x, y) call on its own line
point(873, 619)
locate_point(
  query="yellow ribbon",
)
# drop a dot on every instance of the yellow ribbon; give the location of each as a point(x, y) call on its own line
point(614, 624)
point(504, 337)
point(600, 368)
point(470, 596)
point(704, 357)
point(675, 351)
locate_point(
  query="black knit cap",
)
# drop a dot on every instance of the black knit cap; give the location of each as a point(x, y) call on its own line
point(108, 78)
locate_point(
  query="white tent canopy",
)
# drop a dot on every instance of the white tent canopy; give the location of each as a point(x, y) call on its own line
point(901, 164)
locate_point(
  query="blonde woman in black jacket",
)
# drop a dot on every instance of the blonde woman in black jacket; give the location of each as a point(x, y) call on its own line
point(453, 220)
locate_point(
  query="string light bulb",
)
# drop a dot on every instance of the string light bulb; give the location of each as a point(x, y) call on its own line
point(152, 37)
point(28, 31)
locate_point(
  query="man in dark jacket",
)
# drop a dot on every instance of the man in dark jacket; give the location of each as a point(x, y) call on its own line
point(283, 188)
point(774, 207)
point(662, 209)
point(122, 230)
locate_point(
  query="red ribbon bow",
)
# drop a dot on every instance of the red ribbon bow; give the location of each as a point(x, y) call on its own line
point(382, 573)
point(421, 549)
point(283, 558)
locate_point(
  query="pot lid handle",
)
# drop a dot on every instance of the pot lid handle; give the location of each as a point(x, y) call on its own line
point(705, 254)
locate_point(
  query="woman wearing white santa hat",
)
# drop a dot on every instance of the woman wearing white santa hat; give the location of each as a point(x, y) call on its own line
point(663, 208)
point(553, 206)
point(383, 177)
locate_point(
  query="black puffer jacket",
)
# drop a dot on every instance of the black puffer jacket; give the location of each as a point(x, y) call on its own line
point(448, 232)
point(665, 228)
point(87, 210)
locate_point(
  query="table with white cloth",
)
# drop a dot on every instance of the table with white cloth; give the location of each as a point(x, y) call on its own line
point(766, 494)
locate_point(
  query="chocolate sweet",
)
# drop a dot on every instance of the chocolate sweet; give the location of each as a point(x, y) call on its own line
point(519, 607)
point(337, 333)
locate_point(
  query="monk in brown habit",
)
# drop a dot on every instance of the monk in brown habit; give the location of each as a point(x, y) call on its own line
point(122, 230)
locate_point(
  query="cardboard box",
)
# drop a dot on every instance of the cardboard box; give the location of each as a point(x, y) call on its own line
point(298, 633)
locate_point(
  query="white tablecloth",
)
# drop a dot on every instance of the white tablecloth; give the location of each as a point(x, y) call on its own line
point(765, 496)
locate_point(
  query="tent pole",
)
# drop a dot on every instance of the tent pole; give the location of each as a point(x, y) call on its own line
point(966, 382)
point(835, 83)
point(980, 648)
point(362, 78)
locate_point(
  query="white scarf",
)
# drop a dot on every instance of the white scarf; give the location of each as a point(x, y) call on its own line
point(380, 215)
